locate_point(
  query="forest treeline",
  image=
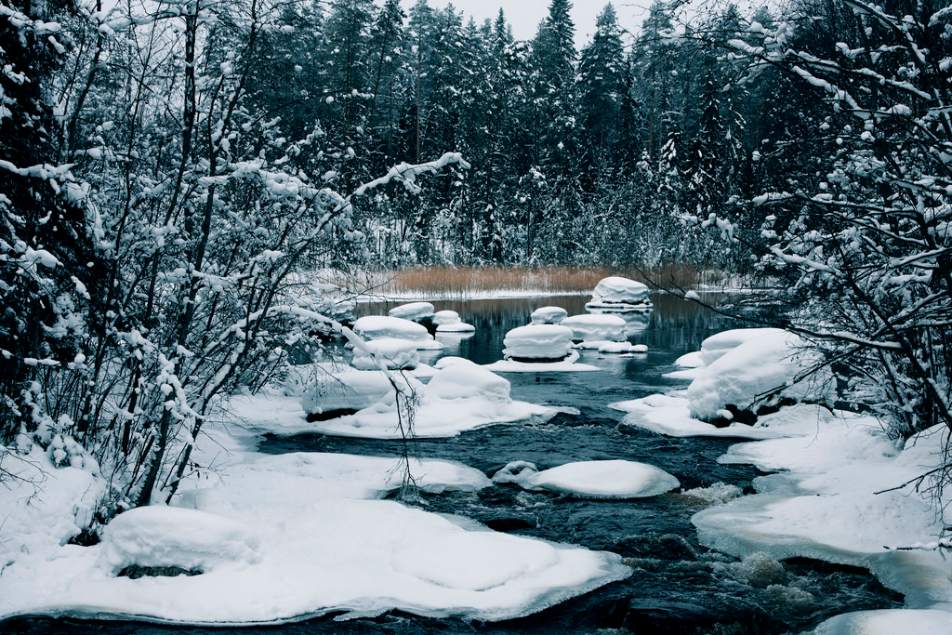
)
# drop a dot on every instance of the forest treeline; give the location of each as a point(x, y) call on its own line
point(174, 172)
point(588, 157)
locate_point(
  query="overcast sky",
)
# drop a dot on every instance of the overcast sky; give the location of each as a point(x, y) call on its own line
point(525, 15)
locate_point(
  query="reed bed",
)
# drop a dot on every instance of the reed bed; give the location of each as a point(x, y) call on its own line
point(459, 282)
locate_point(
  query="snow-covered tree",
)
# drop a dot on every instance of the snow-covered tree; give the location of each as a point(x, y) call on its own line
point(862, 233)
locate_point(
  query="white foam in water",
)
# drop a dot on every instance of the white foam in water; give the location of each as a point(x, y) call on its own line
point(596, 327)
point(592, 479)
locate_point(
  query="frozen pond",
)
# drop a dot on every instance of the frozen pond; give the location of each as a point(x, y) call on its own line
point(678, 586)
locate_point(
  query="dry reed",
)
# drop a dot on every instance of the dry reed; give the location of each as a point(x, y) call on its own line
point(464, 281)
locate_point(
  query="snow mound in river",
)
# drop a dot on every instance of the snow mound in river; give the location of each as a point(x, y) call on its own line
point(589, 328)
point(615, 289)
point(548, 315)
point(591, 479)
point(414, 311)
point(538, 341)
point(375, 327)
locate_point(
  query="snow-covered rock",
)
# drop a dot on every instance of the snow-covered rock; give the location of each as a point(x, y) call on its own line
point(445, 317)
point(393, 353)
point(690, 360)
point(467, 381)
point(587, 328)
point(716, 345)
point(591, 479)
point(458, 397)
point(415, 311)
point(331, 390)
point(450, 322)
point(376, 327)
point(538, 342)
point(159, 536)
point(619, 294)
point(461, 328)
point(567, 365)
point(740, 379)
point(621, 348)
point(548, 315)
point(669, 415)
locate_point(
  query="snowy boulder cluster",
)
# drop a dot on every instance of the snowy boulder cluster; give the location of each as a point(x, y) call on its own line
point(370, 397)
point(548, 342)
point(423, 313)
point(619, 294)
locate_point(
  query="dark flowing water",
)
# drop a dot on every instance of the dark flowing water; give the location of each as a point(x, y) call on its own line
point(677, 585)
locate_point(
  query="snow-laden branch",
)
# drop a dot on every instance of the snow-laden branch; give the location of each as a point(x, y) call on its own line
point(802, 261)
point(901, 27)
point(407, 173)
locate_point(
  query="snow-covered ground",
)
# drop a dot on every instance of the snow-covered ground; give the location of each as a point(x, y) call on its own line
point(278, 538)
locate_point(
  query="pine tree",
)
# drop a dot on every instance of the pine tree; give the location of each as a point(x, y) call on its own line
point(602, 94)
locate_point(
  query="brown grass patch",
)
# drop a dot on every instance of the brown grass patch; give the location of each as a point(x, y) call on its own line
point(463, 281)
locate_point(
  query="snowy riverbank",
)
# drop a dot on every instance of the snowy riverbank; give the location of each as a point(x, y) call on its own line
point(277, 538)
point(838, 489)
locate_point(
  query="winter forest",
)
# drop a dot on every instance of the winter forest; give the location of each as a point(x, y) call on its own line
point(178, 177)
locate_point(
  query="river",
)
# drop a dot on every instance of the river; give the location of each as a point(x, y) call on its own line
point(677, 586)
